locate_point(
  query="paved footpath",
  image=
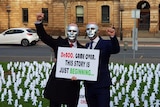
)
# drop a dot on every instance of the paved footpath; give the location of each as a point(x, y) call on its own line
point(142, 42)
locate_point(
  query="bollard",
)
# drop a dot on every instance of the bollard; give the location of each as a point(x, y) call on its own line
point(125, 49)
point(125, 46)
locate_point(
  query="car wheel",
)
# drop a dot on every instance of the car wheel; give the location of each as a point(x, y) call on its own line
point(24, 42)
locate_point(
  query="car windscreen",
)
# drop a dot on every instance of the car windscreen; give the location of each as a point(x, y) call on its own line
point(31, 30)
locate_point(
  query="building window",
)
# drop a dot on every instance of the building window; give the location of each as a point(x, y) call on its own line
point(25, 15)
point(45, 11)
point(105, 14)
point(79, 14)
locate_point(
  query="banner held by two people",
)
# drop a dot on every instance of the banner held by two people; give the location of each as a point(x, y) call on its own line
point(81, 63)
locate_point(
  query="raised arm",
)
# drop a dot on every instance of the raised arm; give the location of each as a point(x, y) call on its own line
point(47, 39)
point(114, 41)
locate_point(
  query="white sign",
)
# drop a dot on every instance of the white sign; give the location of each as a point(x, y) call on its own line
point(81, 63)
point(82, 99)
point(136, 13)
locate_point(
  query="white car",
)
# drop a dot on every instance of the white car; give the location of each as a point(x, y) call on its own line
point(23, 36)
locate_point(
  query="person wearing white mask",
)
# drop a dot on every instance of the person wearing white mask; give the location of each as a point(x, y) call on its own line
point(60, 91)
point(97, 93)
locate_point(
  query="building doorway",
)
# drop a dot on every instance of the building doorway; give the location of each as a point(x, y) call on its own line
point(144, 20)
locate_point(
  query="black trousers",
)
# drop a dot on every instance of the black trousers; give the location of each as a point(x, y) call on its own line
point(98, 97)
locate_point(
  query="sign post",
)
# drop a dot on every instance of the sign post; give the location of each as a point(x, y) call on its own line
point(135, 15)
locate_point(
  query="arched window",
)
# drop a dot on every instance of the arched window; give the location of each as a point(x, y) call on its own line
point(79, 14)
point(105, 14)
point(143, 5)
point(144, 20)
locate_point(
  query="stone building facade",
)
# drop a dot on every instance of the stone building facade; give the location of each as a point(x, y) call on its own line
point(117, 13)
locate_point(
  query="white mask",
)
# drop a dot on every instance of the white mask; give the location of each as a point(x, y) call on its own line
point(91, 30)
point(72, 32)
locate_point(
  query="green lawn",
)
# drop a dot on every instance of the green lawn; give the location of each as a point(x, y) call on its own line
point(130, 83)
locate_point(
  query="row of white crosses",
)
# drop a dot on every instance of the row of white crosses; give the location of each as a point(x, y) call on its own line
point(132, 85)
point(24, 77)
point(135, 85)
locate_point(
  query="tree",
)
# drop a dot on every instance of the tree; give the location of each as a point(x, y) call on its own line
point(65, 4)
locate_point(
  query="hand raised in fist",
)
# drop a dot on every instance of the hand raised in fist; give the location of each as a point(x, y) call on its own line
point(40, 16)
point(111, 31)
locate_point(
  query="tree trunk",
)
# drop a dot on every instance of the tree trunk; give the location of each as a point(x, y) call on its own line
point(65, 16)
